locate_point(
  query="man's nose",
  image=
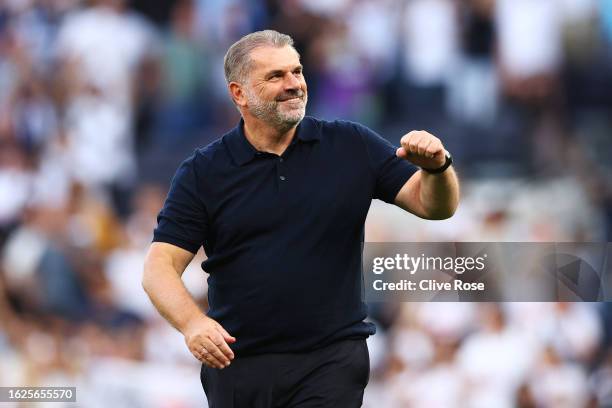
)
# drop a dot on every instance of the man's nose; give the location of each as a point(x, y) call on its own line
point(291, 81)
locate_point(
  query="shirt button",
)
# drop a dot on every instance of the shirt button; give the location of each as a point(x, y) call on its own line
point(281, 160)
point(282, 178)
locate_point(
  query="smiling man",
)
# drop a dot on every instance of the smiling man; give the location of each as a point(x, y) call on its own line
point(279, 205)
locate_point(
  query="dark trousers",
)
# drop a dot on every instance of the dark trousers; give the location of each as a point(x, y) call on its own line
point(333, 376)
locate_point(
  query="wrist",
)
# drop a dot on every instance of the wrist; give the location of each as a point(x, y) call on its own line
point(447, 163)
point(191, 321)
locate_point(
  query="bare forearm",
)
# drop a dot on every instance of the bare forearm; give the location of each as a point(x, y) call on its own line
point(207, 340)
point(169, 295)
point(439, 194)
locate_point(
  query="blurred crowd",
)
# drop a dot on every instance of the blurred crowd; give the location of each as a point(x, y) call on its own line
point(490, 355)
point(100, 100)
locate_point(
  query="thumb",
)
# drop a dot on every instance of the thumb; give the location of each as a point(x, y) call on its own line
point(401, 153)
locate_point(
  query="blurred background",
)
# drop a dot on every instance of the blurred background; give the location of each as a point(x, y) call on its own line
point(101, 100)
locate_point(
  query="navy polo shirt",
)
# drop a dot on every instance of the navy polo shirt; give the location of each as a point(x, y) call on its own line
point(283, 234)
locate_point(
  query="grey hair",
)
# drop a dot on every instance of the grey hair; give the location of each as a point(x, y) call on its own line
point(237, 60)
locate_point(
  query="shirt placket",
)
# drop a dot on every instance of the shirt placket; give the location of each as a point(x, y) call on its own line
point(281, 172)
point(282, 169)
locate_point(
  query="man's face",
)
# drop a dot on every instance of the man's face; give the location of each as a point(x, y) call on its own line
point(275, 90)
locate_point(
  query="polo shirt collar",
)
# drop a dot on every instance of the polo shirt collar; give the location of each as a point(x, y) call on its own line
point(308, 130)
point(242, 150)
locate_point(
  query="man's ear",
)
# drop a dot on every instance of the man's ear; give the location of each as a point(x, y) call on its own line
point(237, 94)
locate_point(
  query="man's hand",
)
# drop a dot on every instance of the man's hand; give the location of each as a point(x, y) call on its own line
point(422, 149)
point(208, 342)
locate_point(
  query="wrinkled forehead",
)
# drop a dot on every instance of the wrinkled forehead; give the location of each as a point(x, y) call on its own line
point(267, 58)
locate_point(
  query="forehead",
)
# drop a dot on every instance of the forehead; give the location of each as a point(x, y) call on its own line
point(267, 58)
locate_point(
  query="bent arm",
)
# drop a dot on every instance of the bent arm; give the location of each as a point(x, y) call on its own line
point(206, 339)
point(430, 196)
point(161, 280)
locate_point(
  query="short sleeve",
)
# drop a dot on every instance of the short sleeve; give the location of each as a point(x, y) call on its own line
point(390, 172)
point(183, 220)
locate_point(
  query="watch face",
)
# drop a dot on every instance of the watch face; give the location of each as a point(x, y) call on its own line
point(449, 160)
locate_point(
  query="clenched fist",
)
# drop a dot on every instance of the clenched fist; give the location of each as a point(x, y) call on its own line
point(422, 149)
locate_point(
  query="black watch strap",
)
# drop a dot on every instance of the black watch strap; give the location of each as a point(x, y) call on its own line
point(446, 165)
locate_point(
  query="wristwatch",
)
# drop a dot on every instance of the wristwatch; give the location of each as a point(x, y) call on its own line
point(446, 165)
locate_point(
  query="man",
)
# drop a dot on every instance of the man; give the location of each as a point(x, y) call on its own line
point(279, 204)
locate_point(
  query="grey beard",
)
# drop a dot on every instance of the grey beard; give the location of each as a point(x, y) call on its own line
point(268, 112)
